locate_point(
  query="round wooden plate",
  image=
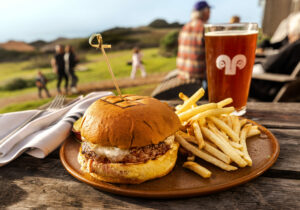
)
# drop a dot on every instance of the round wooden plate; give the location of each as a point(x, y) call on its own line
point(263, 149)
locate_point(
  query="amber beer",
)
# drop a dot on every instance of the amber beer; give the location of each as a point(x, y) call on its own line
point(230, 57)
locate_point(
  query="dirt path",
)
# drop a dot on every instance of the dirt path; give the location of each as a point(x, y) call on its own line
point(86, 88)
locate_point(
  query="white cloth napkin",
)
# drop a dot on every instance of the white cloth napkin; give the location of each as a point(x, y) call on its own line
point(43, 135)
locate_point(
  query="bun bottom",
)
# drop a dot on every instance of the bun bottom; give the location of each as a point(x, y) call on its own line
point(130, 173)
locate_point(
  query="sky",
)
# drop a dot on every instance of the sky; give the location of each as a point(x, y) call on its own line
point(30, 20)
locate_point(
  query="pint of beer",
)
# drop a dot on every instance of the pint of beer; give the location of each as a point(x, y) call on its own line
point(230, 54)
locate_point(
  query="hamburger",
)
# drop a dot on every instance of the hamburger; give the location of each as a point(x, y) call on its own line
point(127, 140)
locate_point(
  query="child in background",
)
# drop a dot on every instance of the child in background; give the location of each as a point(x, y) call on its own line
point(137, 63)
point(41, 82)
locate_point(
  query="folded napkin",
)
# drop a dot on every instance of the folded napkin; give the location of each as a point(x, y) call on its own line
point(43, 135)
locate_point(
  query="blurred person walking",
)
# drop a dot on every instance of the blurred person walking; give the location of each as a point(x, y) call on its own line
point(58, 65)
point(41, 83)
point(137, 63)
point(70, 63)
point(190, 74)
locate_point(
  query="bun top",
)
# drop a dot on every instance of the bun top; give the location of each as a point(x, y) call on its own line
point(136, 121)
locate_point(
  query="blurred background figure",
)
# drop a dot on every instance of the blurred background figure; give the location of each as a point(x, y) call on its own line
point(285, 33)
point(191, 69)
point(235, 19)
point(137, 63)
point(41, 84)
point(294, 27)
point(286, 58)
point(70, 62)
point(283, 62)
point(58, 65)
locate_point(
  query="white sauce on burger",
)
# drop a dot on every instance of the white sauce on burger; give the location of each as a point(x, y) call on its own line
point(116, 154)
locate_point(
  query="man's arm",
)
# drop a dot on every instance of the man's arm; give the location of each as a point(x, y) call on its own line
point(54, 66)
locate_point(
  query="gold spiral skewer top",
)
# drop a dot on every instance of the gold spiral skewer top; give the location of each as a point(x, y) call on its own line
point(101, 46)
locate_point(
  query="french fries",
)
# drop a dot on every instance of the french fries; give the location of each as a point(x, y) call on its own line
point(198, 135)
point(223, 126)
point(217, 153)
point(214, 129)
point(243, 122)
point(212, 112)
point(191, 158)
point(183, 97)
point(225, 102)
point(235, 145)
point(192, 100)
point(197, 169)
point(253, 131)
point(200, 109)
point(243, 136)
point(224, 146)
point(236, 126)
point(213, 135)
point(203, 155)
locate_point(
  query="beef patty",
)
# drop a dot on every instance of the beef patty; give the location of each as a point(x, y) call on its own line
point(136, 154)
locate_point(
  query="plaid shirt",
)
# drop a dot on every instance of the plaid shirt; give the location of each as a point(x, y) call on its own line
point(191, 51)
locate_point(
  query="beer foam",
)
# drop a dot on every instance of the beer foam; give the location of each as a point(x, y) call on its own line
point(231, 33)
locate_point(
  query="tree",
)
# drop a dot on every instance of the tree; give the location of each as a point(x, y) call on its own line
point(159, 23)
point(169, 44)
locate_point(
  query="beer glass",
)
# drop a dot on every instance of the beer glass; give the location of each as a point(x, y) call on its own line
point(230, 54)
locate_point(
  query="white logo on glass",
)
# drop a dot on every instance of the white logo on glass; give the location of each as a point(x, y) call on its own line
point(230, 65)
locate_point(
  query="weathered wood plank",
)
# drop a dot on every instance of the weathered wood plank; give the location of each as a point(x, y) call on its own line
point(289, 156)
point(48, 185)
point(275, 115)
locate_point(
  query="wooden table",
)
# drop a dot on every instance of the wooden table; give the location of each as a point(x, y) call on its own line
point(34, 183)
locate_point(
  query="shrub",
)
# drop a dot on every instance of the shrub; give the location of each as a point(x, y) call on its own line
point(161, 23)
point(84, 45)
point(169, 44)
point(41, 61)
point(21, 83)
point(15, 84)
point(10, 55)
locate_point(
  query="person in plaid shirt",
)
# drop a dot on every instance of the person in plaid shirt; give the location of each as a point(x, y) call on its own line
point(191, 50)
point(190, 74)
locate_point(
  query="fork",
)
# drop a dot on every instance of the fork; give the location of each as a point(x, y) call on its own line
point(56, 104)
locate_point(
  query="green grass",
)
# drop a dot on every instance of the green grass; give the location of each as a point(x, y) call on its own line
point(25, 105)
point(139, 90)
point(11, 70)
point(96, 72)
point(96, 69)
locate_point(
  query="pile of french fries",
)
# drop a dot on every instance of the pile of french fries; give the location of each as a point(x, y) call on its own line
point(211, 133)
